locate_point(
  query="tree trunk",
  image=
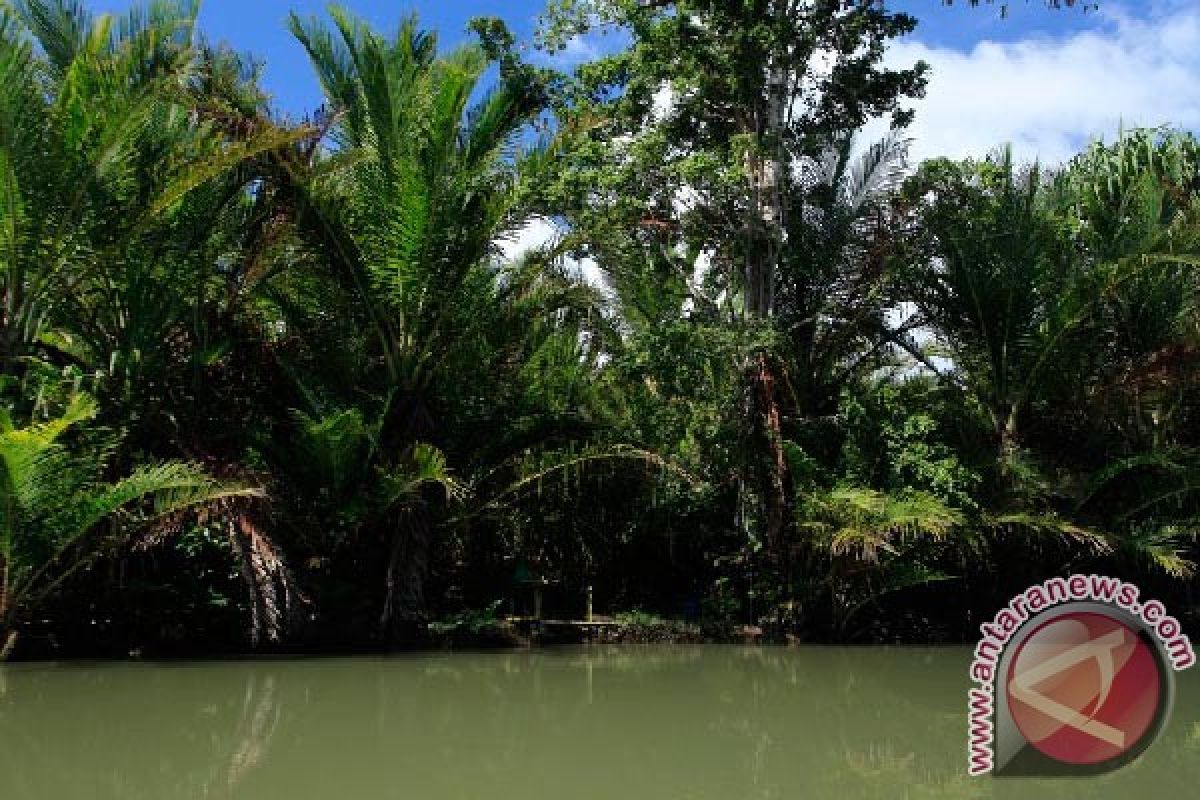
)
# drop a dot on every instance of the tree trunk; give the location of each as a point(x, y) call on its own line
point(766, 170)
point(1005, 421)
point(4, 577)
point(767, 404)
point(407, 421)
point(404, 618)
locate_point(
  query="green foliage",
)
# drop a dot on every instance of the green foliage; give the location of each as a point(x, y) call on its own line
point(898, 436)
point(59, 516)
point(863, 524)
point(638, 617)
point(804, 383)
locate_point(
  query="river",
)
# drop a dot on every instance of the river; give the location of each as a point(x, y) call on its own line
point(617, 723)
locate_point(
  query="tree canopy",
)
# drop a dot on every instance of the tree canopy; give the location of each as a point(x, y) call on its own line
point(304, 384)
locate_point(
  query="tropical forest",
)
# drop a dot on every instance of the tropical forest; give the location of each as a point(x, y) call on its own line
point(286, 382)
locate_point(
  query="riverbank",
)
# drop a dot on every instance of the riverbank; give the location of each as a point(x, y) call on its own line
point(484, 629)
point(627, 628)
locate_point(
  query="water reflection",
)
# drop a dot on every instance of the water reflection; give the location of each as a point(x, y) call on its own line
point(703, 722)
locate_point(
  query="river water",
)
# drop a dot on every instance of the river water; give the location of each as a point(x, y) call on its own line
point(701, 723)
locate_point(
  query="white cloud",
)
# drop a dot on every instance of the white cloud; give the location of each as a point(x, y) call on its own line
point(539, 232)
point(1048, 97)
point(579, 49)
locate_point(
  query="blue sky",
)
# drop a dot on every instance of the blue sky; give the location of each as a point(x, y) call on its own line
point(257, 26)
point(1044, 80)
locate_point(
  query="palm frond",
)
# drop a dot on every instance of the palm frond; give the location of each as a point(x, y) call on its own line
point(878, 171)
point(424, 466)
point(61, 27)
point(1048, 525)
point(1163, 547)
point(863, 523)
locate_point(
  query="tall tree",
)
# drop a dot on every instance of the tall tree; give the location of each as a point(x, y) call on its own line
point(127, 157)
point(693, 137)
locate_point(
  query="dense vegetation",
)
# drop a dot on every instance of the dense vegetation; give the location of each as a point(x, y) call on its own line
point(273, 382)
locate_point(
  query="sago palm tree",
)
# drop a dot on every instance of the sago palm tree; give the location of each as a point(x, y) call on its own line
point(867, 544)
point(1135, 207)
point(991, 282)
point(120, 139)
point(834, 287)
point(407, 199)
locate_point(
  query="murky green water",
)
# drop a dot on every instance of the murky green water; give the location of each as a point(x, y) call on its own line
point(698, 723)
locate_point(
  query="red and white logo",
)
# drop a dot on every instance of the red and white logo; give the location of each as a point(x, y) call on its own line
point(1074, 677)
point(1084, 688)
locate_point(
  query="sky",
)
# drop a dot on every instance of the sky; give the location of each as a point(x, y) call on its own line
point(1045, 81)
point(1049, 81)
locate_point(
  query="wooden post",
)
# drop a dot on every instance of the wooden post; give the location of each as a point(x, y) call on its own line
point(9, 645)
